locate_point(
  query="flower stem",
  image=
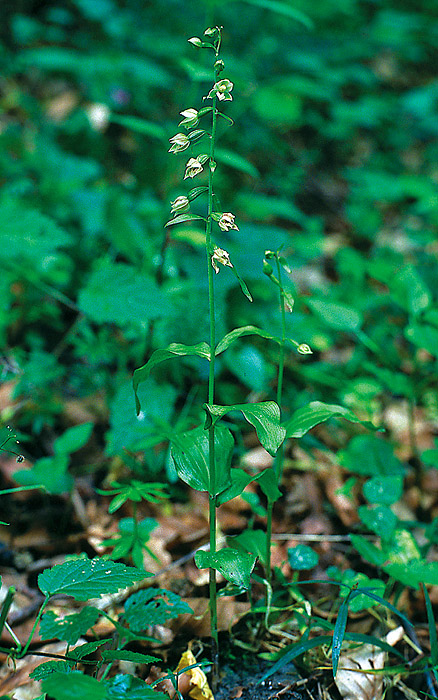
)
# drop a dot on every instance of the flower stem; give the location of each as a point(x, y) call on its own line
point(212, 461)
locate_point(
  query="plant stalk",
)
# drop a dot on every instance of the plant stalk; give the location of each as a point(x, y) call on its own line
point(211, 452)
point(279, 457)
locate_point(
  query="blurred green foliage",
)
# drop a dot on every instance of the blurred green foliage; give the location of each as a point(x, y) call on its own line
point(333, 157)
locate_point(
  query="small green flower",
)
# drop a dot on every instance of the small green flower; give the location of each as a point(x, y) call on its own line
point(190, 118)
point(193, 167)
point(220, 255)
point(222, 89)
point(179, 204)
point(179, 143)
point(226, 222)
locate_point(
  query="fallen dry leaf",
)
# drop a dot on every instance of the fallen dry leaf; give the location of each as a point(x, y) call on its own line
point(352, 680)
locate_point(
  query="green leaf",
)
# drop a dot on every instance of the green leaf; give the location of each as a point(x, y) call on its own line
point(368, 551)
point(138, 299)
point(242, 283)
point(264, 416)
point(190, 452)
point(432, 628)
point(127, 687)
point(236, 161)
point(338, 634)
point(74, 685)
point(304, 419)
point(181, 218)
point(302, 557)
point(283, 8)
point(294, 650)
point(44, 670)
point(124, 655)
point(378, 519)
point(234, 566)
point(69, 628)
point(253, 541)
point(196, 191)
point(88, 648)
point(169, 353)
point(368, 455)
point(88, 578)
point(240, 480)
point(141, 126)
point(423, 336)
point(383, 489)
point(73, 439)
point(269, 485)
point(237, 333)
point(153, 606)
point(340, 317)
point(49, 473)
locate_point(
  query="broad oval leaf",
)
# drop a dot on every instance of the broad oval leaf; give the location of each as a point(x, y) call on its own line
point(153, 606)
point(264, 416)
point(338, 316)
point(73, 438)
point(88, 578)
point(74, 685)
point(235, 566)
point(190, 452)
point(317, 412)
point(169, 353)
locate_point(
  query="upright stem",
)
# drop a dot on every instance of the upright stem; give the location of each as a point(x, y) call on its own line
point(212, 461)
point(279, 458)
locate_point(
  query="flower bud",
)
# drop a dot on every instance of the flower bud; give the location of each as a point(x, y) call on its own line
point(180, 204)
point(179, 143)
point(190, 118)
point(219, 65)
point(196, 41)
point(304, 349)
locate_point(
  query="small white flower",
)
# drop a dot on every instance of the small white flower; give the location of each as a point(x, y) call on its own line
point(220, 255)
point(190, 118)
point(222, 89)
point(179, 143)
point(226, 222)
point(179, 204)
point(99, 116)
point(193, 167)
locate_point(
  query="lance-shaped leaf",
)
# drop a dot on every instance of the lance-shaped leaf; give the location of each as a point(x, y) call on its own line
point(182, 218)
point(237, 333)
point(173, 350)
point(196, 191)
point(240, 480)
point(190, 452)
point(88, 578)
point(317, 412)
point(264, 416)
point(234, 565)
